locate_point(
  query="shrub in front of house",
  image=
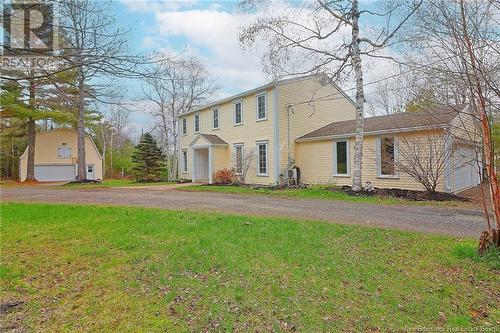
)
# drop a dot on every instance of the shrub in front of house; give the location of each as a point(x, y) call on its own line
point(224, 176)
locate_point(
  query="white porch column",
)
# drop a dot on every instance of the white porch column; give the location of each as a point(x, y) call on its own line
point(210, 154)
point(193, 166)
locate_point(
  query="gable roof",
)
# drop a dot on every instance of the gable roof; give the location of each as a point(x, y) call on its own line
point(259, 89)
point(398, 122)
point(60, 129)
point(210, 138)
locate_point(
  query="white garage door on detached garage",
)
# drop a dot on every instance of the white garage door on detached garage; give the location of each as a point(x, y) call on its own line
point(465, 174)
point(54, 172)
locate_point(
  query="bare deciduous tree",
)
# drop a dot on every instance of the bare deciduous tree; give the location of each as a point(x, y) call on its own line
point(243, 160)
point(183, 85)
point(324, 37)
point(463, 39)
point(425, 158)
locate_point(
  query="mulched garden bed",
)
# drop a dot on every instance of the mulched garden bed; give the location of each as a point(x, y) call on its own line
point(84, 182)
point(403, 194)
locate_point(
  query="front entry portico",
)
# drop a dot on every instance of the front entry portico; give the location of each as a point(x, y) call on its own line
point(203, 148)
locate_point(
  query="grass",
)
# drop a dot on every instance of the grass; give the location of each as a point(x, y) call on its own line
point(128, 269)
point(320, 192)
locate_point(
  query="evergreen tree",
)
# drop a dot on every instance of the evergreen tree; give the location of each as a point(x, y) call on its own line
point(148, 159)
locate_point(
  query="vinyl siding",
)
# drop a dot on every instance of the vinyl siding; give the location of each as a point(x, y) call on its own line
point(248, 133)
point(329, 105)
point(46, 151)
point(315, 159)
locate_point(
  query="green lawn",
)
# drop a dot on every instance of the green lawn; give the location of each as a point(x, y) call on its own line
point(128, 269)
point(320, 192)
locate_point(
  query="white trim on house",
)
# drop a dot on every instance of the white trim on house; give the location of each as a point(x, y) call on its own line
point(260, 143)
point(348, 158)
point(234, 112)
point(276, 135)
point(257, 96)
point(448, 145)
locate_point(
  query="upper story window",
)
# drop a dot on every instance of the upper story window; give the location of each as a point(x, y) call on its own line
point(197, 123)
point(387, 157)
point(261, 107)
point(238, 113)
point(184, 126)
point(64, 151)
point(341, 156)
point(215, 114)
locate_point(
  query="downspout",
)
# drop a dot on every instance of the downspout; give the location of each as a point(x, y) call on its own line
point(276, 134)
point(447, 146)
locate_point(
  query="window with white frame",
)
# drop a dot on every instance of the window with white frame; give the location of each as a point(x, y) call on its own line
point(341, 158)
point(184, 126)
point(215, 113)
point(196, 123)
point(262, 158)
point(238, 158)
point(387, 156)
point(184, 161)
point(64, 151)
point(238, 113)
point(261, 107)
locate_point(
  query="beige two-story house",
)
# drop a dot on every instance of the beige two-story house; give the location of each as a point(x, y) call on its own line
point(311, 125)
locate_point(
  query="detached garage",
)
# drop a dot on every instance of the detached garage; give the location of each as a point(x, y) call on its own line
point(56, 157)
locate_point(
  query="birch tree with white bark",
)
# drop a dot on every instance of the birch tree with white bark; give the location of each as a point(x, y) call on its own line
point(325, 37)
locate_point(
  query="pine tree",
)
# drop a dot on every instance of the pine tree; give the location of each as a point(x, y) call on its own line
point(149, 159)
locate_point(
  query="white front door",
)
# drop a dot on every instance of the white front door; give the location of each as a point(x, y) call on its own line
point(90, 171)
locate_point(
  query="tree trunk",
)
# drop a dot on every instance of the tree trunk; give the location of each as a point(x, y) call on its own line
point(30, 169)
point(360, 100)
point(485, 124)
point(80, 128)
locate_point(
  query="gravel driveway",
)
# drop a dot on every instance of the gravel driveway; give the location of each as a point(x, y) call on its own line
point(439, 220)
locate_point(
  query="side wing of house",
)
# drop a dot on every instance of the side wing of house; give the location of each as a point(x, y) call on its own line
point(330, 161)
point(305, 105)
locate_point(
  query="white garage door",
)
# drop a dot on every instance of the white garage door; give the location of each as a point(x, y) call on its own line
point(465, 173)
point(48, 173)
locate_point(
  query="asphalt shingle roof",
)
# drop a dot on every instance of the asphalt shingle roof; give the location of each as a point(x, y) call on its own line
point(213, 139)
point(430, 117)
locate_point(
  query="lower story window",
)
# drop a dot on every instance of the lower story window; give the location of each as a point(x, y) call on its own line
point(238, 159)
point(262, 158)
point(184, 161)
point(341, 158)
point(387, 157)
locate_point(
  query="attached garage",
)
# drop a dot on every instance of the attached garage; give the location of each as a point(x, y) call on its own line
point(465, 173)
point(55, 172)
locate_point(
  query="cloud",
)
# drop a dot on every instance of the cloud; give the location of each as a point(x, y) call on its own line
point(210, 34)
